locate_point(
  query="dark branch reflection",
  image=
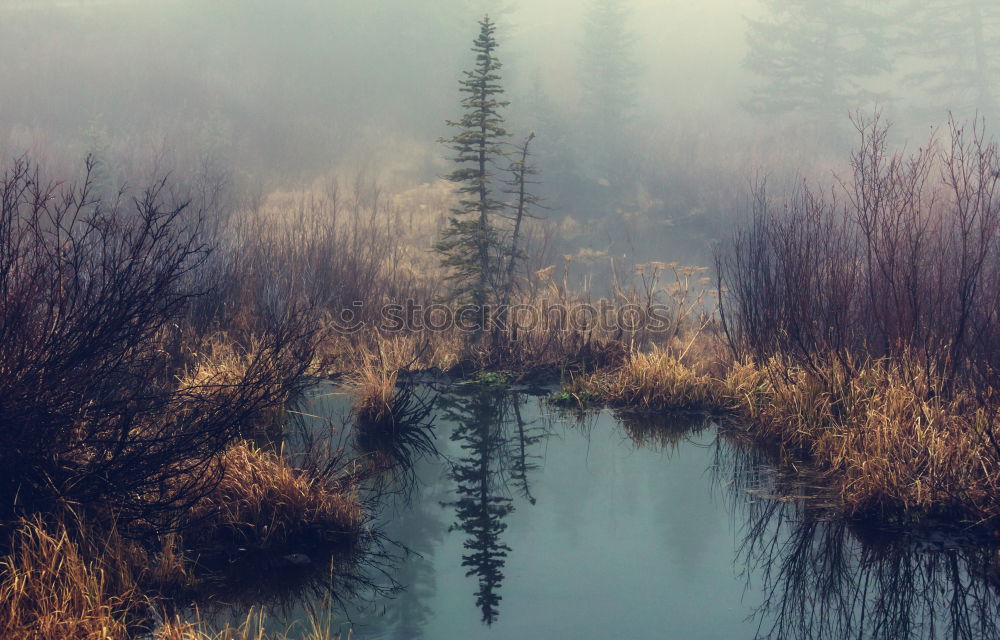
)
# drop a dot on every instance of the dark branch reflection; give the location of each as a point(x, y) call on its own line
point(824, 578)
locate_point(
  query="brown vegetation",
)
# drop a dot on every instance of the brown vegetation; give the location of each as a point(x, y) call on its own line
point(887, 451)
point(82, 581)
point(902, 262)
point(125, 409)
point(858, 333)
point(92, 412)
point(143, 347)
point(253, 627)
point(648, 382)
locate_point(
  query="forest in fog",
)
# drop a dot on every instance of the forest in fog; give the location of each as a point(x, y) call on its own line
point(652, 116)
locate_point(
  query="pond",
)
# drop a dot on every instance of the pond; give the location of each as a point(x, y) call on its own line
point(533, 523)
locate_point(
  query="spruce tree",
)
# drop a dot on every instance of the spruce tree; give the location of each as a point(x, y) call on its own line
point(470, 243)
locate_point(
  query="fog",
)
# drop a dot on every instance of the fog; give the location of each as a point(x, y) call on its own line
point(712, 94)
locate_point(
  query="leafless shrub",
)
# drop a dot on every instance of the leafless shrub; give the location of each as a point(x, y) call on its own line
point(90, 406)
point(900, 261)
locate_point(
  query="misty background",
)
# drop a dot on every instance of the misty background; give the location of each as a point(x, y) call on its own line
point(653, 117)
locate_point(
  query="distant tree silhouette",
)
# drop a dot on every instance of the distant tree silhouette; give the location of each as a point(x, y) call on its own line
point(608, 64)
point(811, 55)
point(959, 44)
point(543, 113)
point(608, 78)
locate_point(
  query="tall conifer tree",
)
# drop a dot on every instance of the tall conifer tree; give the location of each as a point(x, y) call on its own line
point(469, 244)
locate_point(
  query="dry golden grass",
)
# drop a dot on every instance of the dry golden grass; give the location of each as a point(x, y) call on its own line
point(79, 583)
point(217, 362)
point(375, 372)
point(220, 364)
point(655, 381)
point(254, 627)
point(71, 581)
point(374, 388)
point(660, 379)
point(220, 372)
point(886, 439)
point(170, 571)
point(263, 502)
point(529, 349)
point(882, 440)
point(50, 591)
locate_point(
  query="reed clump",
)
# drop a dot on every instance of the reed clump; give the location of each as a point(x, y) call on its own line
point(78, 580)
point(254, 627)
point(650, 382)
point(49, 590)
point(262, 502)
point(169, 570)
point(886, 445)
point(375, 376)
point(53, 587)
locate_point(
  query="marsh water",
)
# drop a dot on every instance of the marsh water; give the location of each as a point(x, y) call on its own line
point(530, 522)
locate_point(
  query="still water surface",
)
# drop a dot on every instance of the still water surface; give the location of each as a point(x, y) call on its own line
point(536, 524)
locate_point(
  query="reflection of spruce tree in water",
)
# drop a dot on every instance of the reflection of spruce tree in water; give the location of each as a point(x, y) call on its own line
point(494, 455)
point(481, 507)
